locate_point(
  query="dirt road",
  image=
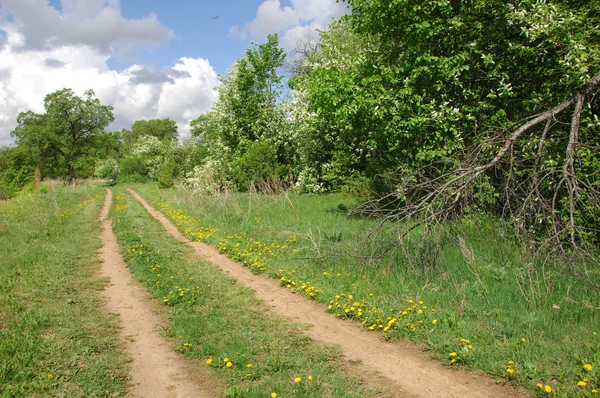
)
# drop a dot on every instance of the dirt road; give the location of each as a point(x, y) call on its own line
point(407, 369)
point(155, 369)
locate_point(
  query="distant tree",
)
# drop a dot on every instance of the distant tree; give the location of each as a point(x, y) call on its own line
point(163, 129)
point(63, 134)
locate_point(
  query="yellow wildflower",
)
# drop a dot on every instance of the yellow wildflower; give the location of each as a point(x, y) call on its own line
point(581, 383)
point(229, 364)
point(453, 355)
point(434, 321)
point(510, 371)
point(548, 389)
point(587, 367)
point(273, 395)
point(209, 361)
point(297, 379)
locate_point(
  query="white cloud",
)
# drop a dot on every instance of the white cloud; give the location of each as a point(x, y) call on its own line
point(272, 18)
point(28, 73)
point(301, 18)
point(94, 23)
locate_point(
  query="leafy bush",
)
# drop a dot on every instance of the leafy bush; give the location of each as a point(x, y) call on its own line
point(108, 169)
point(131, 169)
point(165, 174)
point(257, 163)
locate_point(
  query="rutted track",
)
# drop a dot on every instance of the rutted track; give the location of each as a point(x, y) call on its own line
point(407, 368)
point(155, 369)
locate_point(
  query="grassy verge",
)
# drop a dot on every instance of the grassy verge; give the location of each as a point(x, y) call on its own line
point(54, 341)
point(473, 296)
point(222, 325)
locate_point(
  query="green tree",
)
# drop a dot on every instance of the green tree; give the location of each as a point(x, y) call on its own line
point(246, 112)
point(163, 129)
point(65, 132)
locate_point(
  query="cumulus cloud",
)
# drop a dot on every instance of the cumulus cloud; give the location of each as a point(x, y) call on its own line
point(300, 19)
point(94, 23)
point(31, 69)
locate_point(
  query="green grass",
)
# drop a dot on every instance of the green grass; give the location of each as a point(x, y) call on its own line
point(213, 319)
point(54, 340)
point(504, 305)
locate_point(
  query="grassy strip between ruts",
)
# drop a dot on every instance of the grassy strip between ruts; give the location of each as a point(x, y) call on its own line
point(473, 295)
point(222, 325)
point(54, 340)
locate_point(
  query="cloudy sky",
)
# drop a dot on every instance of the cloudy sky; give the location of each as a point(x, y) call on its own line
point(147, 58)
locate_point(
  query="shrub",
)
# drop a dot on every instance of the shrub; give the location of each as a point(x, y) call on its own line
point(165, 174)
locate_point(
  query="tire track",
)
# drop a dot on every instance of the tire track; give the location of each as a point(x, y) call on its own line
point(155, 369)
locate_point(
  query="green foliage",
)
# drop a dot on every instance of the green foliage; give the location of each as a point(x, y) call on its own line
point(245, 117)
point(163, 129)
point(132, 169)
point(107, 169)
point(63, 134)
point(165, 175)
point(257, 163)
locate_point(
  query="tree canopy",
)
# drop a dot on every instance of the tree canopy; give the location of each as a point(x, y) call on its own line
point(67, 130)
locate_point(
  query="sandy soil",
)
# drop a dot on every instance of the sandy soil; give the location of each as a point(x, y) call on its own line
point(409, 370)
point(155, 369)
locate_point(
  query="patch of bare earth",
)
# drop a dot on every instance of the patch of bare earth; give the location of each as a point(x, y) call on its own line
point(408, 369)
point(155, 369)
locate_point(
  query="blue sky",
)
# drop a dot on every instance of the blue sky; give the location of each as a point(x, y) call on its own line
point(198, 34)
point(147, 58)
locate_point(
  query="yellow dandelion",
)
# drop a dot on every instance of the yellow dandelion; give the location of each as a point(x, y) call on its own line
point(297, 379)
point(209, 361)
point(510, 371)
point(229, 364)
point(587, 367)
point(581, 383)
point(434, 321)
point(249, 365)
point(273, 395)
point(225, 359)
point(49, 375)
point(523, 340)
point(453, 355)
point(511, 363)
point(548, 389)
point(310, 378)
point(539, 385)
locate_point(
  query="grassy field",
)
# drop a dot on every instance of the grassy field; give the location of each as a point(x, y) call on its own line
point(473, 296)
point(54, 340)
point(221, 325)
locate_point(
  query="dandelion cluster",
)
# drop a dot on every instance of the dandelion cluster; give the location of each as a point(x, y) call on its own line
point(286, 279)
point(250, 251)
point(190, 226)
point(414, 318)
